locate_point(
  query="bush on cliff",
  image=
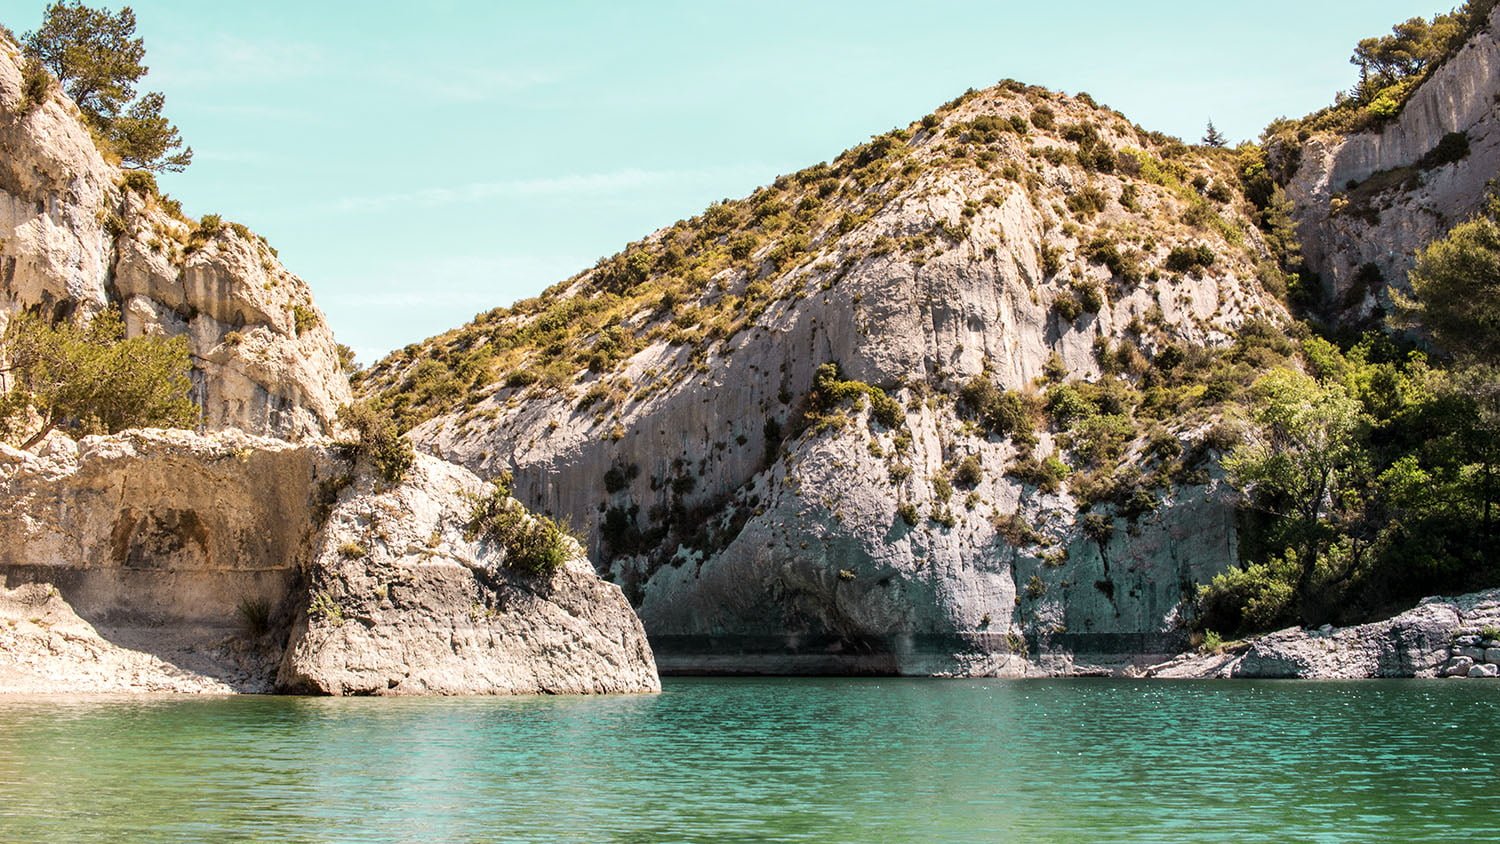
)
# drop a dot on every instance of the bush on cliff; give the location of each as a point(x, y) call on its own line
point(376, 437)
point(89, 379)
point(533, 544)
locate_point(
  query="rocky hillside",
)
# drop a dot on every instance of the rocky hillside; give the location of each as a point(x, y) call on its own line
point(1366, 202)
point(942, 403)
point(170, 561)
point(78, 234)
point(173, 561)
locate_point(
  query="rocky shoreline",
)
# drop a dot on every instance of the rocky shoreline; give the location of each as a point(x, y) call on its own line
point(167, 561)
point(1441, 637)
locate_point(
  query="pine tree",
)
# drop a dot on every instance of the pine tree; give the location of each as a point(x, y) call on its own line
point(97, 56)
point(1213, 137)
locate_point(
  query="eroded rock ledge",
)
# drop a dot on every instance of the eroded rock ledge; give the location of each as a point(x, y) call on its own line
point(175, 562)
point(1441, 637)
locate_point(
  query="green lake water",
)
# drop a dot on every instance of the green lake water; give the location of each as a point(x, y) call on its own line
point(770, 760)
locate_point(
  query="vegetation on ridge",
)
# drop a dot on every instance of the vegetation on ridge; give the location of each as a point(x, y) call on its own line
point(533, 544)
point(693, 287)
point(1391, 68)
point(96, 57)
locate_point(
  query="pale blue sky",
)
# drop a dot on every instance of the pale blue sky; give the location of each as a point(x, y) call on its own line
point(419, 163)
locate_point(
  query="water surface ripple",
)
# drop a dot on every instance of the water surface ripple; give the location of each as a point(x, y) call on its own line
point(770, 760)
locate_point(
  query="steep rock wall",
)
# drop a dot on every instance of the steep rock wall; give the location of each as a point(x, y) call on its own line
point(75, 239)
point(806, 566)
point(1360, 233)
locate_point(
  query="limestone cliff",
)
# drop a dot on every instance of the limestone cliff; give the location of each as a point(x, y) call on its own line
point(1366, 203)
point(667, 400)
point(170, 561)
point(78, 234)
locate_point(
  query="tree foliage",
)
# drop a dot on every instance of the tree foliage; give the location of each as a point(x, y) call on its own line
point(1297, 454)
point(1212, 137)
point(97, 57)
point(1456, 285)
point(89, 379)
point(1370, 484)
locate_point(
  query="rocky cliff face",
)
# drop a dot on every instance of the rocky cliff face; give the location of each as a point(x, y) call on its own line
point(665, 399)
point(169, 561)
point(78, 235)
point(1366, 203)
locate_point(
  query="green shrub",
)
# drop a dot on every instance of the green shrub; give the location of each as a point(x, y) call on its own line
point(533, 544)
point(1044, 118)
point(830, 392)
point(377, 439)
point(1046, 474)
point(1090, 295)
point(1251, 599)
point(886, 410)
point(1088, 201)
point(1124, 264)
point(1098, 527)
point(303, 318)
point(1035, 588)
point(141, 182)
point(1067, 306)
point(521, 378)
point(352, 551)
point(1212, 642)
point(90, 379)
point(36, 85)
point(908, 513)
point(942, 487)
point(970, 472)
point(1016, 531)
point(1002, 413)
point(322, 606)
point(1188, 259)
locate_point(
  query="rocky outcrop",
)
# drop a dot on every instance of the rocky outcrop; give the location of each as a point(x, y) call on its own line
point(77, 236)
point(1366, 203)
point(170, 561)
point(404, 601)
point(1441, 637)
point(753, 537)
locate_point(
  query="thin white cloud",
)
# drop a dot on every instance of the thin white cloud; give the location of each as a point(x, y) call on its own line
point(472, 84)
point(583, 184)
point(228, 60)
point(480, 281)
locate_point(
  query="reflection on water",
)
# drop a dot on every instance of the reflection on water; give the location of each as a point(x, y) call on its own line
point(788, 760)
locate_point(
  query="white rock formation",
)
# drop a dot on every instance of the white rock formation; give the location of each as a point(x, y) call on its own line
point(1383, 229)
point(800, 561)
point(170, 561)
point(74, 238)
point(1439, 637)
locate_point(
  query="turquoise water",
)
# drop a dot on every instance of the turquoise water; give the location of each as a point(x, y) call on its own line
point(773, 760)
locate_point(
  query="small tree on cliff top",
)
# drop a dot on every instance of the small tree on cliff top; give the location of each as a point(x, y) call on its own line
point(97, 57)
